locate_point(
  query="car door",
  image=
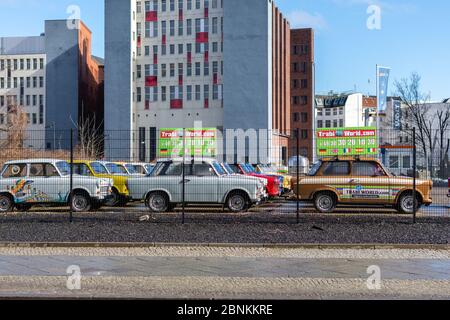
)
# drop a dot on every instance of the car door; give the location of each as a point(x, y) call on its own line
point(42, 190)
point(334, 176)
point(370, 183)
point(201, 183)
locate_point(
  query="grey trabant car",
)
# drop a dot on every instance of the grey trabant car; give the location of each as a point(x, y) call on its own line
point(205, 183)
point(24, 183)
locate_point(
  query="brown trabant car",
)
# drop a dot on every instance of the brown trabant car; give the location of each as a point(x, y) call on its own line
point(359, 181)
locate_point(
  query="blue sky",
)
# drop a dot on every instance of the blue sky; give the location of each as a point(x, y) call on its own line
point(414, 36)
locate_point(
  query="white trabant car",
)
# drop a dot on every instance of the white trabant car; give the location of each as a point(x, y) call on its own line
point(25, 183)
point(205, 183)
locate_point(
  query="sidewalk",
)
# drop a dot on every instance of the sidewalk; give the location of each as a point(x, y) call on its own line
point(244, 273)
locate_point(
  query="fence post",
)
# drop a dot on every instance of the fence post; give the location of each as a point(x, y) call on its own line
point(71, 174)
point(298, 177)
point(414, 175)
point(183, 174)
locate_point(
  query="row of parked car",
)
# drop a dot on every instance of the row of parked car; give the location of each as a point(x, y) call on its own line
point(26, 183)
point(330, 182)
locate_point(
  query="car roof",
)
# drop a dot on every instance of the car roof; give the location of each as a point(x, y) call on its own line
point(188, 159)
point(24, 161)
point(349, 158)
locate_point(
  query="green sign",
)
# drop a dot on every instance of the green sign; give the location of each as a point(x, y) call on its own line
point(346, 141)
point(197, 142)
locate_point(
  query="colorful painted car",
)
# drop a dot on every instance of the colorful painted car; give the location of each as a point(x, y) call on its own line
point(120, 195)
point(25, 183)
point(273, 184)
point(359, 181)
point(205, 183)
point(268, 169)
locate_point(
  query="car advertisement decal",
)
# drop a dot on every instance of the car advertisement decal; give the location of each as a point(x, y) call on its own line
point(24, 192)
point(366, 192)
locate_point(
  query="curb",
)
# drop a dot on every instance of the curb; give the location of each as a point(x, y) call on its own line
point(222, 245)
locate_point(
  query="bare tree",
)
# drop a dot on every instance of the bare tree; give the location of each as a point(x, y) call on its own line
point(90, 138)
point(443, 118)
point(416, 114)
point(15, 128)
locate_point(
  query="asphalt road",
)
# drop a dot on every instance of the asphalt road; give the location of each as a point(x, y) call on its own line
point(224, 273)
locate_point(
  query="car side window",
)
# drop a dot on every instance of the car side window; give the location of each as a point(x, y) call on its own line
point(15, 171)
point(367, 169)
point(336, 168)
point(203, 170)
point(82, 169)
point(43, 170)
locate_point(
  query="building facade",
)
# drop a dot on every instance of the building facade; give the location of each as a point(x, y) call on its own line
point(302, 87)
point(187, 63)
point(54, 78)
point(22, 83)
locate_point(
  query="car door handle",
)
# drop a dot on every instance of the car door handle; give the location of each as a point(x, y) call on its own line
point(185, 181)
point(354, 181)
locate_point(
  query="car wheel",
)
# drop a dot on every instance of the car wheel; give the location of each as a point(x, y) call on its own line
point(405, 203)
point(23, 207)
point(81, 202)
point(325, 202)
point(114, 199)
point(158, 202)
point(6, 203)
point(237, 202)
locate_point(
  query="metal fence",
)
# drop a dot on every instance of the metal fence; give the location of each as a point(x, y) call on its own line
point(256, 172)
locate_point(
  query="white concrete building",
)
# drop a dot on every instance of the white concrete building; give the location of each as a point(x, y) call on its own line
point(22, 83)
point(339, 111)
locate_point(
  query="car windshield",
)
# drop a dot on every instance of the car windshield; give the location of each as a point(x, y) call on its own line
point(63, 167)
point(219, 169)
point(315, 168)
point(131, 169)
point(149, 168)
point(228, 168)
point(234, 168)
point(251, 168)
point(115, 169)
point(98, 168)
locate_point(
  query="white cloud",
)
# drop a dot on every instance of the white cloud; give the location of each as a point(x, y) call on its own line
point(303, 19)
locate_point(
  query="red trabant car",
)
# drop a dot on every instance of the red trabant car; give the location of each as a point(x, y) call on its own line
point(273, 184)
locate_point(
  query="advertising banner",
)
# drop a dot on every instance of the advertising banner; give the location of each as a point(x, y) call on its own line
point(346, 141)
point(198, 142)
point(397, 110)
point(383, 86)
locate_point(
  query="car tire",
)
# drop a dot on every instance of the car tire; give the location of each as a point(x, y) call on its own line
point(80, 202)
point(405, 203)
point(6, 203)
point(237, 202)
point(157, 202)
point(23, 207)
point(114, 200)
point(325, 202)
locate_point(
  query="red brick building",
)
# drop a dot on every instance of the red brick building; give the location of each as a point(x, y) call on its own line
point(302, 87)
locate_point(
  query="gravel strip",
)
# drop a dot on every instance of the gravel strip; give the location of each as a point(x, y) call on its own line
point(253, 227)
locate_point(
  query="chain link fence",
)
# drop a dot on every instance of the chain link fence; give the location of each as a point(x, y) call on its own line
point(206, 170)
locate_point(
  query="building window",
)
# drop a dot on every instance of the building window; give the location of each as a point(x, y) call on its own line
point(319, 124)
point(296, 117)
point(214, 25)
point(172, 70)
point(172, 28)
point(163, 70)
point(189, 70)
point(197, 92)
point(197, 68)
point(180, 28)
point(138, 94)
point(206, 69)
point(189, 27)
point(41, 82)
point(189, 93)
point(189, 4)
point(163, 94)
point(172, 5)
point(304, 83)
point(304, 116)
point(163, 5)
